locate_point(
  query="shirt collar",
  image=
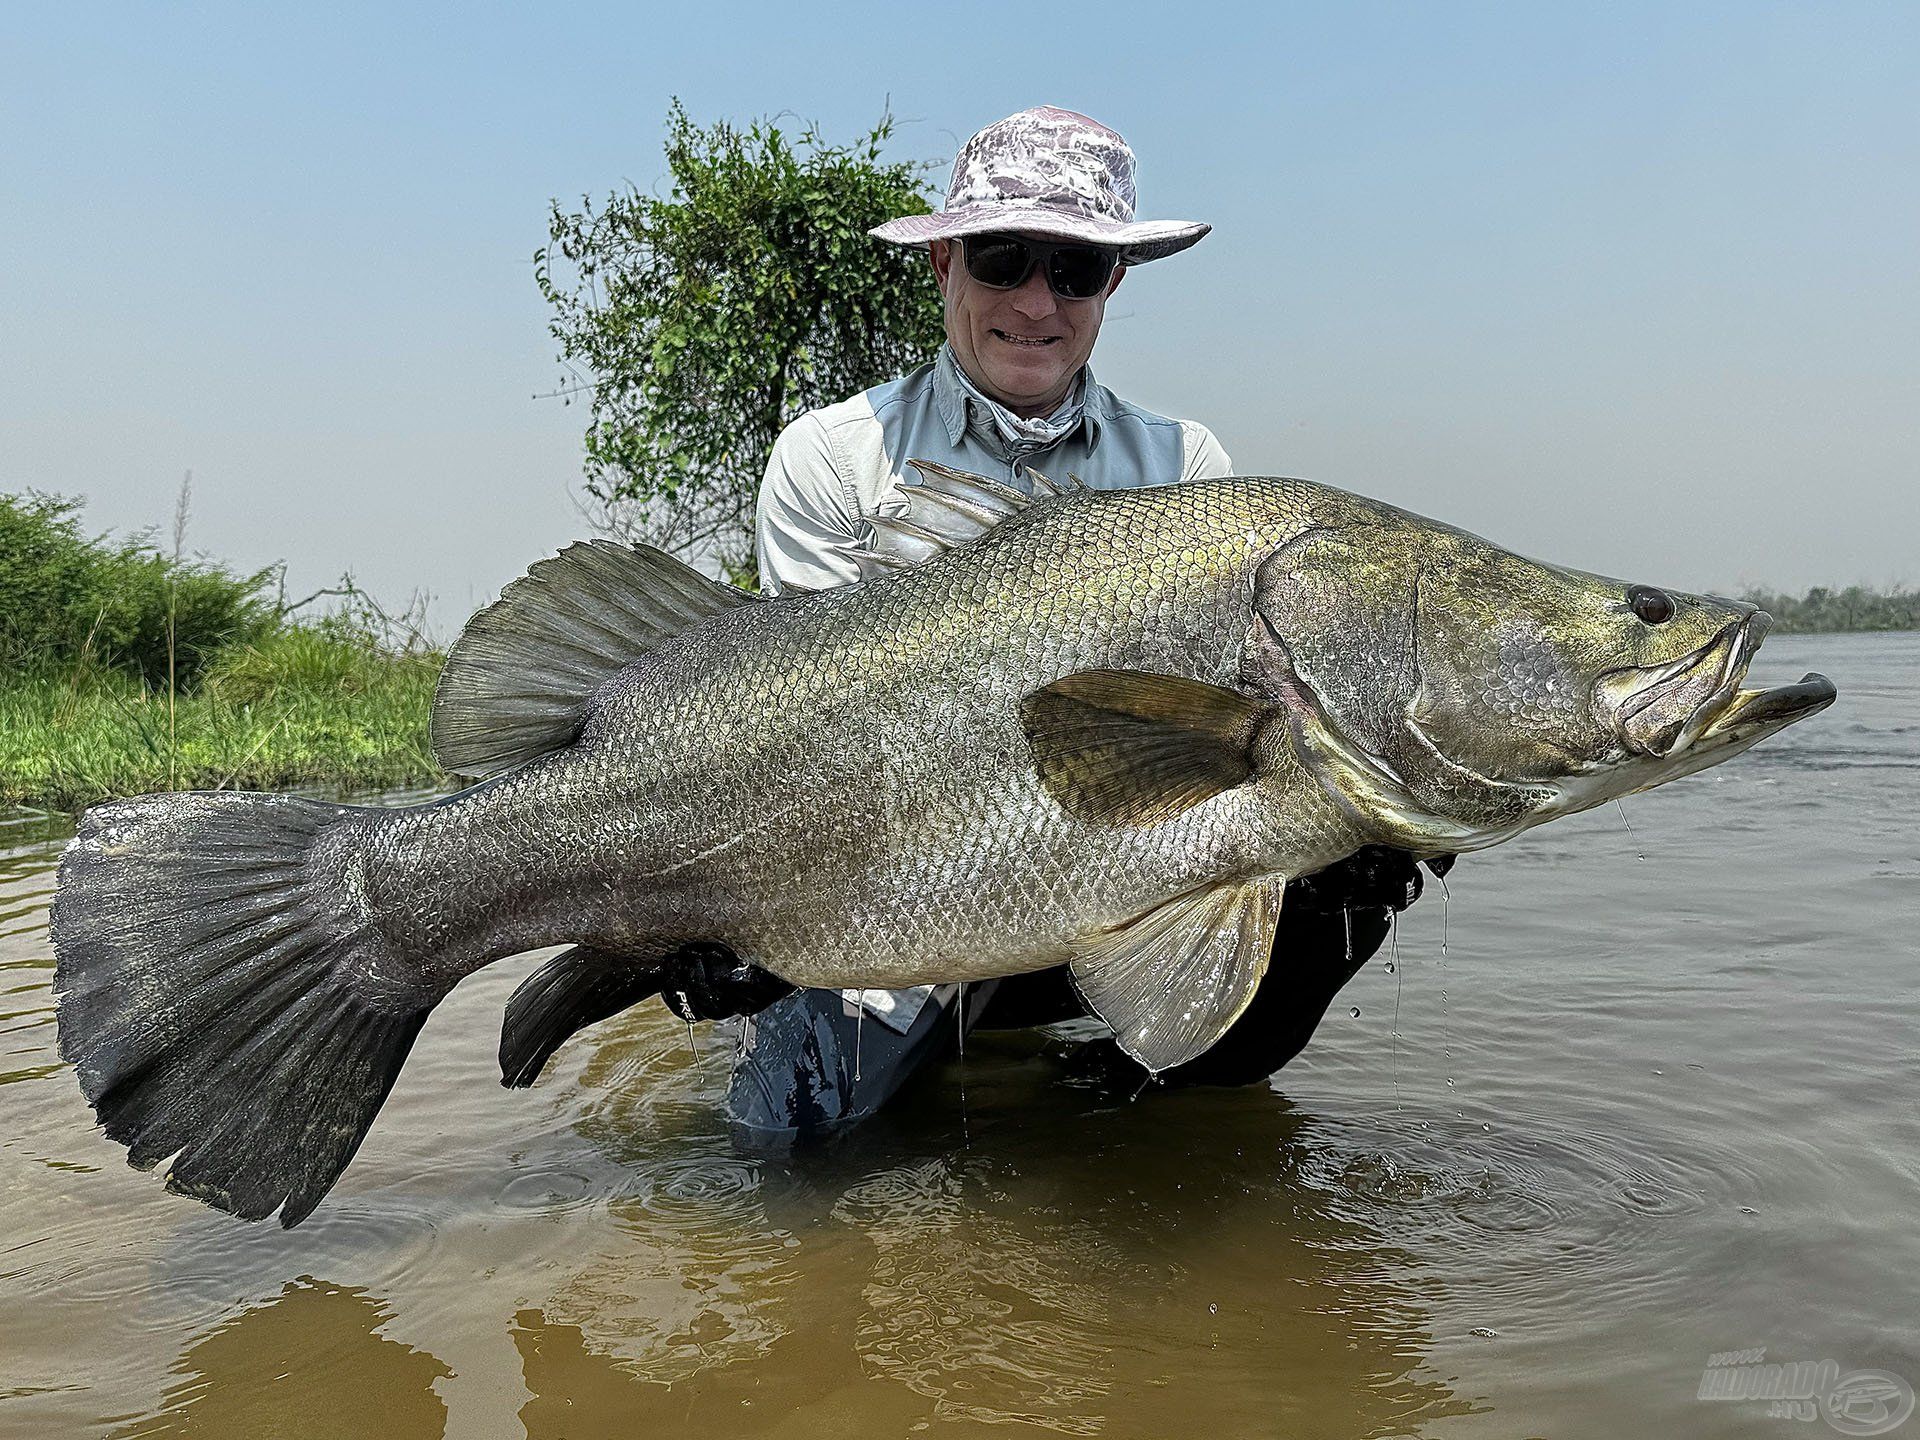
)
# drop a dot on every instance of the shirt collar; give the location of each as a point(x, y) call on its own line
point(951, 398)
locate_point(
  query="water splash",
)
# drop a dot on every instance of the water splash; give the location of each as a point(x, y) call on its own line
point(686, 1008)
point(1622, 811)
point(1446, 1014)
point(1393, 969)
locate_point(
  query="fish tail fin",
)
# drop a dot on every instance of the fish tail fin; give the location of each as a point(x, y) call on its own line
point(219, 998)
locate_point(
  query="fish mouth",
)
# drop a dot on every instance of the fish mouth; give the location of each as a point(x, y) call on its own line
point(1658, 709)
point(1754, 714)
point(1696, 702)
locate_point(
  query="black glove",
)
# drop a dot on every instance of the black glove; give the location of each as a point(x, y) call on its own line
point(710, 982)
point(1373, 877)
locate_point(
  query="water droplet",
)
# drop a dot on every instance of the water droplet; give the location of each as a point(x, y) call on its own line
point(1355, 1012)
point(1391, 967)
point(1213, 1309)
point(1449, 1082)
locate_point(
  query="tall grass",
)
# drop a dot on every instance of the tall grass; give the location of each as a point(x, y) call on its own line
point(124, 670)
point(300, 707)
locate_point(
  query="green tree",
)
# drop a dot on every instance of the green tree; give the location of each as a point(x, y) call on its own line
point(701, 323)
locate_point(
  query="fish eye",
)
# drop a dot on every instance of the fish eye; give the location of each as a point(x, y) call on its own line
point(1656, 607)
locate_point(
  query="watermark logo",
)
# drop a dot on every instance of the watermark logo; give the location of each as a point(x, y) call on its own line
point(1853, 1402)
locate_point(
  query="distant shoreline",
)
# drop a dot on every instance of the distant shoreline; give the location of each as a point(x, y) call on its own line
point(1823, 611)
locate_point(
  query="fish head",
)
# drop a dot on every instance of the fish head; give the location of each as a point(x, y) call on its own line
point(1454, 693)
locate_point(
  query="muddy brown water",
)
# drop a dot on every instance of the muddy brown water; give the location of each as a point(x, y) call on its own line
point(1650, 1097)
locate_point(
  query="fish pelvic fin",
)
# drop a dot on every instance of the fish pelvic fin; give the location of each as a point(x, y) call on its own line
point(517, 682)
point(1172, 982)
point(575, 989)
point(582, 986)
point(1125, 747)
point(218, 1004)
point(948, 508)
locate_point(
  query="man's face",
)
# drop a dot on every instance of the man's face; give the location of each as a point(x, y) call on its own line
point(1022, 347)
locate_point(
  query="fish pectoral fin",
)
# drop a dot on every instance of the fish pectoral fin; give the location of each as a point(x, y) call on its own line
point(1171, 983)
point(1124, 747)
point(516, 684)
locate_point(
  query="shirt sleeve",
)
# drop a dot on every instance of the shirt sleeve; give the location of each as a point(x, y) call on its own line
point(806, 531)
point(1206, 459)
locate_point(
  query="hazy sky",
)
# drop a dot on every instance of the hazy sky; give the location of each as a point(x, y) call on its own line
point(1630, 287)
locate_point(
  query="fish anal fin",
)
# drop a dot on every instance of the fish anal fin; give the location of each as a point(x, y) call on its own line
point(516, 683)
point(584, 985)
point(1125, 747)
point(1171, 983)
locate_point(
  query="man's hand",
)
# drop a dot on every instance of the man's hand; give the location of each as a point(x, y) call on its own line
point(707, 981)
point(1371, 878)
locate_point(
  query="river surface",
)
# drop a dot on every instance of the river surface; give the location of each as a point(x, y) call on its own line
point(1650, 1097)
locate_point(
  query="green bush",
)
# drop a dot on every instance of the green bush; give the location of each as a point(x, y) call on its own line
point(67, 600)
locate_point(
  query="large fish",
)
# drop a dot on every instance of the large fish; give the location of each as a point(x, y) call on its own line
point(1100, 728)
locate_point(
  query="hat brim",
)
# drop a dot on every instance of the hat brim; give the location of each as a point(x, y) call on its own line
point(1138, 241)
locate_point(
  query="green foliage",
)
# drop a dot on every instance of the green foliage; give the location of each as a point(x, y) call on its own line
point(75, 739)
point(702, 323)
point(89, 707)
point(1854, 608)
point(67, 599)
point(326, 658)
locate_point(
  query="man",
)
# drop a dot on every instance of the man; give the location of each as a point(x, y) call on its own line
point(1037, 232)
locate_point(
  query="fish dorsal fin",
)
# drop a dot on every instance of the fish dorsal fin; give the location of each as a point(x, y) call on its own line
point(1172, 982)
point(1125, 747)
point(517, 682)
point(945, 509)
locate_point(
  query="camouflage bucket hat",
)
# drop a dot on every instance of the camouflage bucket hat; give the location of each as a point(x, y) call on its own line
point(1047, 172)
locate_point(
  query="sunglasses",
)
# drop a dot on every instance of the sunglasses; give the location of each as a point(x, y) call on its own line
point(1003, 262)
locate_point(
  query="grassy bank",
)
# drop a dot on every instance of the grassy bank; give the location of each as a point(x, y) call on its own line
point(126, 668)
point(300, 707)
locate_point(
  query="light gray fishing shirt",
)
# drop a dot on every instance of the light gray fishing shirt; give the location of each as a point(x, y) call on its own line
point(834, 467)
